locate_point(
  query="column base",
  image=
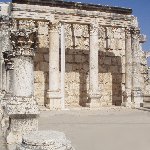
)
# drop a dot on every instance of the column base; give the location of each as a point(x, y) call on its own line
point(146, 103)
point(53, 100)
point(23, 115)
point(137, 98)
point(94, 101)
point(127, 104)
point(19, 127)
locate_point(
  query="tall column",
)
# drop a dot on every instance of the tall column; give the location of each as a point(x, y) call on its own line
point(54, 93)
point(94, 93)
point(137, 95)
point(22, 108)
point(62, 66)
point(128, 69)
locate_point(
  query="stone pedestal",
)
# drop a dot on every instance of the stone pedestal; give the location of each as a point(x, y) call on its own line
point(45, 140)
point(22, 108)
point(23, 114)
point(54, 93)
point(94, 93)
point(146, 102)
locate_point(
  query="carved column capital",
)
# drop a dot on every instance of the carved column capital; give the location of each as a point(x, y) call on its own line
point(128, 33)
point(5, 22)
point(94, 29)
point(54, 27)
point(24, 41)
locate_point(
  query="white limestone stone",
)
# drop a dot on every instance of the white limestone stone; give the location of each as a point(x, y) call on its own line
point(23, 76)
point(45, 140)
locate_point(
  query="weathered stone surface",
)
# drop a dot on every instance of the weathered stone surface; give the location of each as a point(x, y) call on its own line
point(45, 140)
point(112, 45)
point(22, 106)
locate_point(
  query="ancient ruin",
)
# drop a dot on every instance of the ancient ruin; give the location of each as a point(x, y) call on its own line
point(63, 55)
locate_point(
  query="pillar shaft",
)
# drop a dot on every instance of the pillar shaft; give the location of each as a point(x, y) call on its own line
point(128, 70)
point(62, 66)
point(94, 59)
point(94, 94)
point(137, 96)
point(53, 94)
point(3, 77)
point(23, 78)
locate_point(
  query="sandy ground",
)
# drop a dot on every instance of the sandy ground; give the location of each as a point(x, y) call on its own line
point(106, 129)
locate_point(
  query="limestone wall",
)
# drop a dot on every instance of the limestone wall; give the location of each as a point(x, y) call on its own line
point(111, 51)
point(111, 64)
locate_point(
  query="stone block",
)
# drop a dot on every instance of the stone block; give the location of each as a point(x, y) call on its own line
point(78, 58)
point(39, 77)
point(107, 60)
point(38, 57)
point(69, 58)
point(46, 57)
point(45, 140)
point(44, 66)
point(20, 106)
point(43, 41)
point(114, 69)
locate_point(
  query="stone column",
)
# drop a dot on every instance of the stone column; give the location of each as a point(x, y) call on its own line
point(22, 108)
point(54, 93)
point(62, 66)
point(3, 77)
point(9, 66)
point(4, 46)
point(94, 93)
point(128, 70)
point(137, 95)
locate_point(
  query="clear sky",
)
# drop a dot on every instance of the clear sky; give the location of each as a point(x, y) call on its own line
point(141, 9)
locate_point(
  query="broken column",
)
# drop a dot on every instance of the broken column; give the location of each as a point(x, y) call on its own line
point(94, 93)
point(45, 140)
point(22, 108)
point(54, 92)
point(137, 94)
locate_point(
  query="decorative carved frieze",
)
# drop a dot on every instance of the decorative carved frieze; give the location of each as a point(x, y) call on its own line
point(24, 41)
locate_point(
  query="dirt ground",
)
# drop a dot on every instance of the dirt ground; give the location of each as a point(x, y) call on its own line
point(106, 129)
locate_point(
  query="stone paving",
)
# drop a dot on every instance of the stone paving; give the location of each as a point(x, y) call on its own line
point(106, 129)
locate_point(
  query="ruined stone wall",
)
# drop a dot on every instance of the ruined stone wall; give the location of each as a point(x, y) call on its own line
point(111, 52)
point(41, 64)
point(111, 64)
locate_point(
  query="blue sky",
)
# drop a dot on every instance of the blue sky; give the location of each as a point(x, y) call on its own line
point(141, 9)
